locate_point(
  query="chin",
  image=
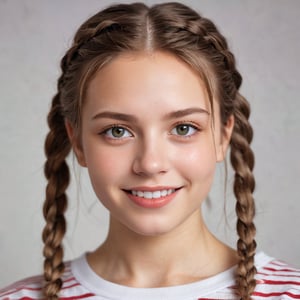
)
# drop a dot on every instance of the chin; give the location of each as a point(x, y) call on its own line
point(151, 229)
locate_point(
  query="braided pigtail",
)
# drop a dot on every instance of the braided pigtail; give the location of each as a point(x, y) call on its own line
point(57, 147)
point(242, 160)
point(95, 42)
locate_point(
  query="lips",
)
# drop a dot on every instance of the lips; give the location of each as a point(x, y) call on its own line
point(152, 197)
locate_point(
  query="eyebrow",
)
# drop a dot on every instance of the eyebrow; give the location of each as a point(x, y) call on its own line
point(130, 118)
point(186, 112)
point(115, 115)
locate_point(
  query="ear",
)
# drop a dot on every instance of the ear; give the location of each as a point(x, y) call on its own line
point(226, 132)
point(76, 143)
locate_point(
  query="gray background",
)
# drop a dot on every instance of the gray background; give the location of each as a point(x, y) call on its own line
point(264, 36)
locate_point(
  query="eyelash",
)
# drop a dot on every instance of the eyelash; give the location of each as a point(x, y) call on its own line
point(115, 126)
point(188, 124)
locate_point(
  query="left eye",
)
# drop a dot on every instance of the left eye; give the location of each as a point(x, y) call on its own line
point(184, 130)
point(117, 132)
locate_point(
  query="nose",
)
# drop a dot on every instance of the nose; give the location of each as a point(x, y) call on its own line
point(151, 158)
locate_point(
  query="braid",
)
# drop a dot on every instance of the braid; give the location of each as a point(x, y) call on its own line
point(242, 160)
point(224, 87)
point(242, 157)
point(66, 104)
point(56, 171)
point(57, 147)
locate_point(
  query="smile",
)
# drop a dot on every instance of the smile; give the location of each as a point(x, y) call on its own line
point(154, 194)
point(151, 197)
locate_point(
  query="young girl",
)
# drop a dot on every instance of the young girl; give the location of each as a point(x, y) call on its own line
point(149, 102)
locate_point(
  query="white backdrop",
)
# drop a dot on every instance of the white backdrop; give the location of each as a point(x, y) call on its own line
point(265, 38)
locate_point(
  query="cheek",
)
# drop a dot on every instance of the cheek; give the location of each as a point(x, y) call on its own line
point(105, 164)
point(199, 162)
point(106, 171)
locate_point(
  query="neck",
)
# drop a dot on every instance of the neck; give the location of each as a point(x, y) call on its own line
point(186, 254)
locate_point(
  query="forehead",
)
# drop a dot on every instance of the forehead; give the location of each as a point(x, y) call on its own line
point(147, 75)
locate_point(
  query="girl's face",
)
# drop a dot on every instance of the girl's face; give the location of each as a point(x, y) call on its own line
point(148, 141)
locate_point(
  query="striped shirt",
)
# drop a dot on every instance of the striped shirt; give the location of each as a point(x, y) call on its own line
point(275, 280)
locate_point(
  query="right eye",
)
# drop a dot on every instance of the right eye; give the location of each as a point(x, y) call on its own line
point(117, 132)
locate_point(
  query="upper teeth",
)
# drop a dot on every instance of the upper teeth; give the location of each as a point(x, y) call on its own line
point(155, 194)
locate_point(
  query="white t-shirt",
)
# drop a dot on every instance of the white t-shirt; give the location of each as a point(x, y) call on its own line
point(275, 280)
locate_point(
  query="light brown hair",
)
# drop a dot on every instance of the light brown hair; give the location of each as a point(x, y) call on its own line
point(176, 29)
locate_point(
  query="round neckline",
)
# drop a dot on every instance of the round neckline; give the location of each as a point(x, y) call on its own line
point(109, 290)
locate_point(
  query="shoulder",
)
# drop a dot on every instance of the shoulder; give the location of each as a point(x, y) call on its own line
point(277, 280)
point(31, 288)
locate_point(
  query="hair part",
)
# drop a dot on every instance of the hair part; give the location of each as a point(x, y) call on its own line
point(169, 27)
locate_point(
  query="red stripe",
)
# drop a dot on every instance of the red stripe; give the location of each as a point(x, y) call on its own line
point(78, 297)
point(63, 298)
point(27, 288)
point(27, 298)
point(69, 279)
point(280, 282)
point(11, 293)
point(276, 295)
point(205, 299)
point(21, 288)
point(278, 275)
point(278, 263)
point(281, 270)
point(70, 286)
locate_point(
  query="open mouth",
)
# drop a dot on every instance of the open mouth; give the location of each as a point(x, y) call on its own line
point(152, 194)
point(152, 198)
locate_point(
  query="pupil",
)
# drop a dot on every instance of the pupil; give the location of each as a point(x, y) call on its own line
point(117, 131)
point(182, 129)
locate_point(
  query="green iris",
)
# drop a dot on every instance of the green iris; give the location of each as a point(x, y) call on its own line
point(117, 132)
point(182, 129)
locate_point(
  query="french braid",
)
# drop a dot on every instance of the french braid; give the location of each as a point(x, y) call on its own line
point(57, 147)
point(66, 105)
point(242, 160)
point(170, 27)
